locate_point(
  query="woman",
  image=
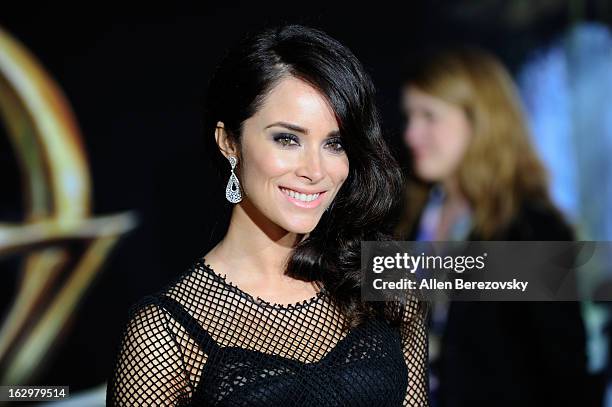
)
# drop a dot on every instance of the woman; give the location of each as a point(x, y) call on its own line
point(476, 177)
point(272, 314)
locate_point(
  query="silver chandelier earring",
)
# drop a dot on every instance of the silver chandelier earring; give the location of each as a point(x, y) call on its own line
point(232, 191)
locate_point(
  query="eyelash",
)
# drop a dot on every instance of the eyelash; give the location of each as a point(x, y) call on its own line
point(279, 138)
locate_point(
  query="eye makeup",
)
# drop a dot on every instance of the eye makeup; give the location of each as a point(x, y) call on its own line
point(338, 142)
point(285, 139)
point(334, 144)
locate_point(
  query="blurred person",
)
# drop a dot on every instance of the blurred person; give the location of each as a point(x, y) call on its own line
point(475, 176)
point(272, 314)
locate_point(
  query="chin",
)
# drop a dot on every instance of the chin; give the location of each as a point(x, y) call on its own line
point(300, 227)
point(300, 230)
point(428, 175)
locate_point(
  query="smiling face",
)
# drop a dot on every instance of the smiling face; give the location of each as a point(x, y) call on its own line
point(292, 161)
point(438, 134)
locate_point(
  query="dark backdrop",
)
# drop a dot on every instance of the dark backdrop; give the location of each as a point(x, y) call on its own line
point(135, 78)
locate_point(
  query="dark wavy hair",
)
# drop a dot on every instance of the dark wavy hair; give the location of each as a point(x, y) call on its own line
point(367, 203)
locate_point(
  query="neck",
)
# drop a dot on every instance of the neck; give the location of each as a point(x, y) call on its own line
point(455, 205)
point(254, 243)
point(452, 191)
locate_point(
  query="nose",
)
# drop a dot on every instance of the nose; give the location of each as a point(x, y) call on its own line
point(413, 134)
point(311, 166)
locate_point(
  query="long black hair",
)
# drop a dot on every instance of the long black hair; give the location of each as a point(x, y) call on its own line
point(366, 204)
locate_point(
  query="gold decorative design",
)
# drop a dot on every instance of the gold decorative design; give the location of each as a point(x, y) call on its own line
point(57, 187)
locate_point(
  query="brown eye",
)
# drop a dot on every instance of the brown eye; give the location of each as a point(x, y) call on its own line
point(286, 139)
point(336, 145)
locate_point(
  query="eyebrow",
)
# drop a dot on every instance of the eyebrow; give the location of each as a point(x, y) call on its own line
point(297, 128)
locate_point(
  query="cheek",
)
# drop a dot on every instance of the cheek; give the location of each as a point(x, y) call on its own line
point(338, 168)
point(460, 143)
point(453, 149)
point(264, 165)
point(451, 143)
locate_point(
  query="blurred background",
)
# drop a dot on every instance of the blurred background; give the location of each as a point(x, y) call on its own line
point(104, 186)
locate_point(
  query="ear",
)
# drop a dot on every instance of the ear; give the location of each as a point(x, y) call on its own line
point(224, 142)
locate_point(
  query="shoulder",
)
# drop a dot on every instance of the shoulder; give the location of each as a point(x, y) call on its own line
point(190, 289)
point(186, 278)
point(146, 320)
point(536, 220)
point(196, 290)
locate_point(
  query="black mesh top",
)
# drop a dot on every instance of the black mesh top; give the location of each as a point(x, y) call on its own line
point(203, 341)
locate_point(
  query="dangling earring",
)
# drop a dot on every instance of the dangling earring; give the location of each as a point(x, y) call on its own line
point(232, 191)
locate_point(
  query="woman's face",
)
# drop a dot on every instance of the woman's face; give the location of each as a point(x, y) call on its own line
point(438, 134)
point(293, 163)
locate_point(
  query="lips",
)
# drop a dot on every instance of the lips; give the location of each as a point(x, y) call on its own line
point(301, 198)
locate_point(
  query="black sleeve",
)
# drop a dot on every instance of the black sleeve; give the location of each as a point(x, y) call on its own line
point(148, 368)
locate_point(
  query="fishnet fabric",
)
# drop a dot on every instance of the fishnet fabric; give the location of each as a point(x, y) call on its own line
point(202, 341)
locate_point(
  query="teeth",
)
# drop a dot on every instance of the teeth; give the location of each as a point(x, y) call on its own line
point(301, 197)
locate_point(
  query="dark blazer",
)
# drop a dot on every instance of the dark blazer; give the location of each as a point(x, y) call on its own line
point(517, 353)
